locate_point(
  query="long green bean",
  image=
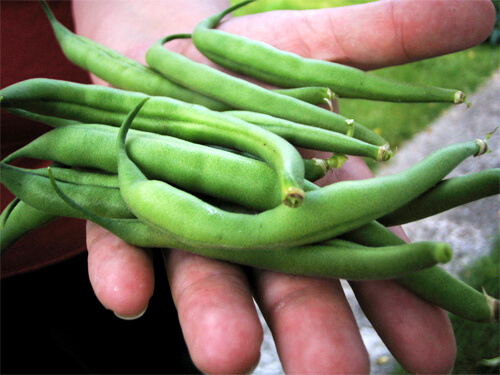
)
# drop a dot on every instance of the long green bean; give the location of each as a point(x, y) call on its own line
point(333, 259)
point(446, 195)
point(165, 116)
point(324, 214)
point(196, 168)
point(128, 74)
point(268, 64)
point(18, 220)
point(315, 138)
point(244, 95)
point(433, 284)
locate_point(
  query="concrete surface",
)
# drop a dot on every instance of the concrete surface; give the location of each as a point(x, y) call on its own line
point(468, 229)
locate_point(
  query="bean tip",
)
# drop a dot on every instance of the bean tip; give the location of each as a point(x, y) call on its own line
point(483, 144)
point(493, 305)
point(385, 153)
point(336, 161)
point(483, 147)
point(294, 197)
point(323, 164)
point(330, 97)
point(444, 253)
point(460, 97)
point(350, 127)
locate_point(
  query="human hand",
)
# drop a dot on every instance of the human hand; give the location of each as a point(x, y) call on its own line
point(312, 323)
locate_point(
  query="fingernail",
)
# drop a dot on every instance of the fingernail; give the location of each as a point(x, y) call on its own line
point(133, 317)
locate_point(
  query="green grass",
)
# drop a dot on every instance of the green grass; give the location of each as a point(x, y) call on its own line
point(399, 122)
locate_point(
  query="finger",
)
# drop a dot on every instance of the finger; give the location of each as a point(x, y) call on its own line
point(121, 274)
point(216, 312)
point(417, 333)
point(312, 324)
point(373, 35)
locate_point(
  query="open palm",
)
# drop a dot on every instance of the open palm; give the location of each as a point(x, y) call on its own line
point(311, 321)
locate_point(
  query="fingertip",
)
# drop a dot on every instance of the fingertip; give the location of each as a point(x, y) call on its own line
point(235, 352)
point(217, 313)
point(418, 333)
point(449, 26)
point(224, 340)
point(121, 275)
point(132, 317)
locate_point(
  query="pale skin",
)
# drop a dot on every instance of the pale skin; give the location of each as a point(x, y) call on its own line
point(312, 323)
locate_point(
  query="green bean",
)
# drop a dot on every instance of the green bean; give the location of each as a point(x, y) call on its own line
point(314, 168)
point(334, 259)
point(196, 168)
point(350, 261)
point(128, 74)
point(312, 172)
point(45, 119)
point(242, 94)
point(93, 189)
point(315, 138)
point(18, 219)
point(311, 95)
point(34, 188)
point(118, 70)
point(324, 214)
point(448, 293)
point(162, 115)
point(433, 284)
point(446, 195)
point(269, 64)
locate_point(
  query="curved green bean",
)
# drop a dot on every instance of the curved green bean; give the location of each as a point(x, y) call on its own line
point(269, 64)
point(244, 95)
point(19, 219)
point(120, 71)
point(433, 284)
point(193, 167)
point(34, 188)
point(440, 288)
point(324, 214)
point(128, 74)
point(315, 138)
point(333, 259)
point(312, 173)
point(446, 195)
point(165, 116)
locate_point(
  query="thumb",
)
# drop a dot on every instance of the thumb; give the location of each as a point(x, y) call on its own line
point(373, 35)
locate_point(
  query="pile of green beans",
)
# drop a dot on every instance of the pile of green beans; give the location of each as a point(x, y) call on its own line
point(180, 155)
